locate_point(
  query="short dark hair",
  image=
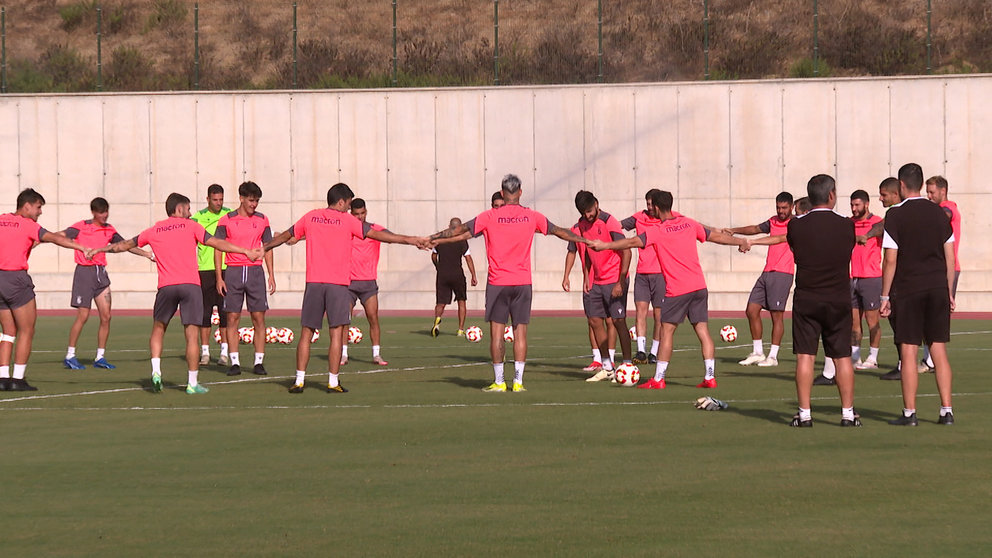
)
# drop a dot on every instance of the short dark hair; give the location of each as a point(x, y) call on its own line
point(784, 197)
point(584, 200)
point(215, 189)
point(860, 195)
point(662, 199)
point(650, 193)
point(890, 184)
point(911, 175)
point(99, 205)
point(29, 195)
point(803, 205)
point(173, 201)
point(938, 181)
point(338, 192)
point(510, 184)
point(497, 195)
point(357, 203)
point(818, 189)
point(249, 190)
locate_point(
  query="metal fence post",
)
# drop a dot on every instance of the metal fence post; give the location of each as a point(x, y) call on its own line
point(599, 32)
point(495, 42)
point(99, 51)
point(196, 46)
point(294, 47)
point(816, 39)
point(706, 39)
point(3, 49)
point(929, 43)
point(394, 43)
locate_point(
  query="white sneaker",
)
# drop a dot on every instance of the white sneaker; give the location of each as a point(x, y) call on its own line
point(924, 367)
point(866, 365)
point(753, 358)
point(770, 361)
point(204, 359)
point(223, 360)
point(600, 376)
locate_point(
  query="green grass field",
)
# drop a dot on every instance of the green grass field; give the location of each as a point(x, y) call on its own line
point(417, 461)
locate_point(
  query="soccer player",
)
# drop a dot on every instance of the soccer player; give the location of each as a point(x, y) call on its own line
point(918, 267)
point(937, 193)
point(328, 233)
point(866, 283)
point(611, 333)
point(608, 283)
point(243, 282)
point(447, 260)
point(771, 290)
point(822, 242)
point(208, 218)
point(174, 241)
point(649, 285)
point(496, 200)
point(509, 232)
point(90, 282)
point(363, 287)
point(686, 296)
point(19, 233)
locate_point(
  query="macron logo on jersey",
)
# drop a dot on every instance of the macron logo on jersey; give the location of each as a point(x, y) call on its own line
point(676, 228)
point(325, 220)
point(167, 228)
point(511, 220)
point(14, 224)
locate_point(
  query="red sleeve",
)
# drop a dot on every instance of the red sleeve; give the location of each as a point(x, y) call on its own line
point(541, 223)
point(199, 233)
point(700, 231)
point(300, 228)
point(481, 222)
point(143, 237)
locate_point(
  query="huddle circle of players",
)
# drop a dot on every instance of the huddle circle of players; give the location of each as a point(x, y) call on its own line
point(215, 257)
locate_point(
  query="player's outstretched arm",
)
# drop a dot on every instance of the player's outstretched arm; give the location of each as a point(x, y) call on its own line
point(599, 245)
point(567, 235)
point(749, 231)
point(875, 231)
point(278, 240)
point(115, 248)
point(768, 240)
point(227, 246)
point(720, 237)
point(60, 239)
point(450, 234)
point(143, 253)
point(393, 238)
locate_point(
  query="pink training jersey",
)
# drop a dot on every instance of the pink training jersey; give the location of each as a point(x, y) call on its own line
point(249, 231)
point(174, 242)
point(328, 233)
point(365, 257)
point(605, 264)
point(951, 209)
point(17, 236)
point(866, 261)
point(675, 240)
point(509, 232)
point(647, 258)
point(91, 235)
point(779, 256)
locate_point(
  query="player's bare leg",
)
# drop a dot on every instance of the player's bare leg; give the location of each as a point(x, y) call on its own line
point(333, 357)
point(303, 343)
point(620, 326)
point(804, 380)
point(192, 334)
point(258, 321)
point(757, 354)
point(436, 328)
point(497, 349)
point(375, 331)
point(462, 313)
point(874, 339)
point(233, 321)
point(938, 351)
point(641, 308)
point(599, 335)
point(82, 315)
point(708, 350)
point(910, 379)
point(155, 342)
point(845, 381)
point(9, 328)
point(103, 304)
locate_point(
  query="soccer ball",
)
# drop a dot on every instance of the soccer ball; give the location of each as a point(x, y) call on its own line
point(728, 333)
point(316, 336)
point(508, 334)
point(285, 336)
point(217, 335)
point(355, 335)
point(627, 374)
point(270, 334)
point(215, 318)
point(633, 332)
point(474, 334)
point(247, 335)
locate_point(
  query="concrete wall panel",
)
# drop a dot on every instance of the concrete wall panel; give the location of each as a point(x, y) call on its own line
point(968, 135)
point(610, 135)
point(558, 150)
point(37, 147)
point(362, 141)
point(127, 157)
point(80, 148)
point(509, 137)
point(755, 139)
point(174, 136)
point(656, 148)
point(460, 148)
point(9, 165)
point(917, 126)
point(410, 146)
point(704, 141)
point(863, 139)
point(315, 147)
point(267, 145)
point(219, 147)
point(809, 135)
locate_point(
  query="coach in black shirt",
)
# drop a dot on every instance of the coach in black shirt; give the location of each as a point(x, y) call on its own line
point(822, 242)
point(919, 266)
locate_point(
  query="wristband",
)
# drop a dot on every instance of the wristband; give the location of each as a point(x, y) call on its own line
point(883, 298)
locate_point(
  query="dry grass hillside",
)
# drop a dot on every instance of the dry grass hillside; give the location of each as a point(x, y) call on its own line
point(51, 45)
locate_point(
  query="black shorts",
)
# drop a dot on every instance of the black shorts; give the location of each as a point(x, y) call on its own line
point(866, 293)
point(186, 297)
point(245, 288)
point(320, 299)
point(602, 304)
point(693, 305)
point(813, 320)
point(88, 281)
point(649, 287)
point(508, 302)
point(362, 291)
point(771, 290)
point(16, 289)
point(922, 317)
point(448, 287)
point(211, 298)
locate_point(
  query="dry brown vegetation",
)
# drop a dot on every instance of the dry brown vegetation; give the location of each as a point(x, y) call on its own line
point(149, 44)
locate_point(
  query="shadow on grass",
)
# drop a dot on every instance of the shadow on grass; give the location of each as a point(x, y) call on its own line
point(466, 382)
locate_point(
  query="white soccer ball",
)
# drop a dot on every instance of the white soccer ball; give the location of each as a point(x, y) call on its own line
point(217, 335)
point(247, 335)
point(728, 333)
point(508, 334)
point(633, 332)
point(474, 334)
point(627, 375)
point(316, 336)
point(355, 335)
point(270, 334)
point(285, 336)
point(215, 318)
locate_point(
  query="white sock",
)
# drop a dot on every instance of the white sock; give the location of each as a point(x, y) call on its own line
point(659, 371)
point(204, 349)
point(156, 366)
point(70, 352)
point(19, 370)
point(518, 372)
point(855, 353)
point(259, 357)
point(192, 374)
point(375, 351)
point(613, 355)
point(641, 341)
point(235, 359)
point(847, 413)
point(773, 351)
point(608, 365)
point(4, 371)
point(596, 356)
point(757, 347)
point(926, 354)
point(654, 347)
point(829, 370)
point(332, 380)
point(805, 414)
point(344, 351)
point(223, 349)
point(944, 411)
point(100, 353)
point(300, 375)
point(908, 412)
point(873, 354)
point(498, 372)
point(710, 364)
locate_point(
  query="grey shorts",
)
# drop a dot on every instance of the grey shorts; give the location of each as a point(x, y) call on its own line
point(649, 287)
point(866, 293)
point(771, 290)
point(87, 282)
point(186, 297)
point(508, 302)
point(602, 304)
point(363, 290)
point(245, 282)
point(320, 299)
point(694, 305)
point(16, 289)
